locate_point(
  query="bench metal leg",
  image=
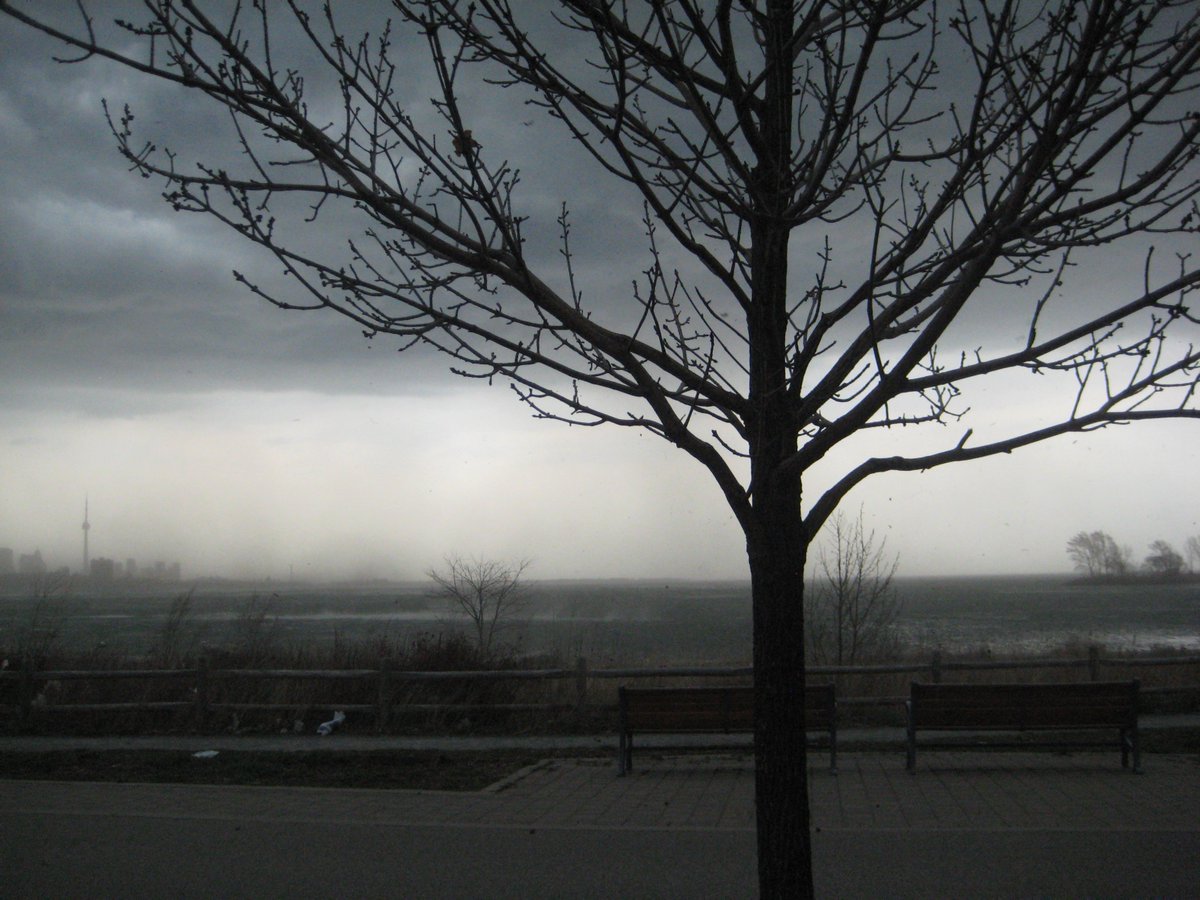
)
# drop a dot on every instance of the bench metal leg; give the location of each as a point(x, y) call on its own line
point(625, 754)
point(1131, 745)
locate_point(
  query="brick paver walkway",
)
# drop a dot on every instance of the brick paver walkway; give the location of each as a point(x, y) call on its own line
point(872, 791)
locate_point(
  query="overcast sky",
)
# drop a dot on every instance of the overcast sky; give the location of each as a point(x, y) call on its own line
point(204, 426)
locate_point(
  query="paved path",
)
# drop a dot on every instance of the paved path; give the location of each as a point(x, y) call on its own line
point(978, 825)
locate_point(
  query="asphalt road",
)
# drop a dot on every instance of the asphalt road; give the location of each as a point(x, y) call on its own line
point(89, 856)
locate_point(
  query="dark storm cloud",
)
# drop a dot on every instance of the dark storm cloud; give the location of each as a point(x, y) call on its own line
point(95, 268)
point(101, 282)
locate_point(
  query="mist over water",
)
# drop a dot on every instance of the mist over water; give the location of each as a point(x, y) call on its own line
point(609, 622)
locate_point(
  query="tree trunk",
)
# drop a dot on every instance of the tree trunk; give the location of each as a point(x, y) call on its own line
point(775, 539)
point(780, 753)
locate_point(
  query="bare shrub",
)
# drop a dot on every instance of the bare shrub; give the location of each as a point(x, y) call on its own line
point(178, 638)
point(852, 606)
point(489, 593)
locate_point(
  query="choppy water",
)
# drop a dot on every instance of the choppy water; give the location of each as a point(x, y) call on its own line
point(1033, 614)
point(628, 621)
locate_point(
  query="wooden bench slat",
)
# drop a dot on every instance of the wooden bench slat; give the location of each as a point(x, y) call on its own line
point(662, 718)
point(1026, 707)
point(1008, 701)
point(1103, 692)
point(1019, 718)
point(710, 710)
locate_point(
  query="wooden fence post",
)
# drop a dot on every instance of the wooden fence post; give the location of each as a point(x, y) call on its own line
point(200, 709)
point(1094, 662)
point(935, 667)
point(383, 707)
point(581, 680)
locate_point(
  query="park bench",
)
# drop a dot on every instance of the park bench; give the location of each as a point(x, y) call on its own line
point(1089, 706)
point(710, 710)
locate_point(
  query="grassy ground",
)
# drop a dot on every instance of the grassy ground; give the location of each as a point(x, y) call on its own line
point(376, 769)
point(386, 769)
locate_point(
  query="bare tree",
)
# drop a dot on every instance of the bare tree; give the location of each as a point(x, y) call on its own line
point(1163, 559)
point(1087, 551)
point(852, 605)
point(1192, 548)
point(488, 592)
point(1118, 560)
point(833, 193)
point(1096, 553)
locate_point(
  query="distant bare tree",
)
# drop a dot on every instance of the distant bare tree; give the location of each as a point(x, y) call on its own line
point(1096, 553)
point(1087, 551)
point(1118, 560)
point(830, 190)
point(489, 593)
point(1192, 548)
point(1163, 559)
point(852, 606)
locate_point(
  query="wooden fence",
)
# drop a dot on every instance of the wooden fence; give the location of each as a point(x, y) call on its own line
point(31, 685)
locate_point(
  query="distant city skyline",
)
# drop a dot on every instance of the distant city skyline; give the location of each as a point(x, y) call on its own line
point(14, 561)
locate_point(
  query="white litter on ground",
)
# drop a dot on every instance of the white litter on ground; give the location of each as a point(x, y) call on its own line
point(327, 727)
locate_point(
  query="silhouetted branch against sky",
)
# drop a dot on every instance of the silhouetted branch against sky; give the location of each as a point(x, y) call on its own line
point(562, 198)
point(849, 215)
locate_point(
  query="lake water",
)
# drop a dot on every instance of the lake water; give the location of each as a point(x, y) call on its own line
point(1035, 614)
point(627, 621)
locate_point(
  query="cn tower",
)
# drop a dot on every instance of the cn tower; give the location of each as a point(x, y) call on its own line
point(86, 527)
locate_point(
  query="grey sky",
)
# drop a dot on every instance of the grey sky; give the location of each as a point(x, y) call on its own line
point(208, 427)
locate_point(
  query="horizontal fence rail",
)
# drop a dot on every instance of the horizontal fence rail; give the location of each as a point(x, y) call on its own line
point(33, 686)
